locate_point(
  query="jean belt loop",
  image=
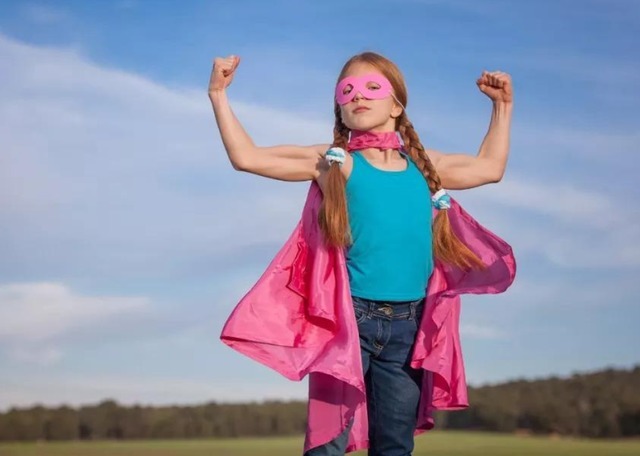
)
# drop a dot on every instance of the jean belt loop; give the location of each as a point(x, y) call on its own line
point(412, 311)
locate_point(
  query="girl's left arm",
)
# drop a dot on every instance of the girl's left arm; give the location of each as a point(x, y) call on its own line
point(462, 171)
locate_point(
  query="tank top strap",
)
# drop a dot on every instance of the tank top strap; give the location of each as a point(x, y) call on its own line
point(410, 161)
point(359, 159)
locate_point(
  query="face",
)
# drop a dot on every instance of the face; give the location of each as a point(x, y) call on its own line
point(366, 103)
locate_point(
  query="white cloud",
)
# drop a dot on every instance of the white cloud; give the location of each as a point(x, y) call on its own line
point(119, 151)
point(128, 168)
point(572, 227)
point(37, 312)
point(36, 317)
point(579, 291)
point(600, 147)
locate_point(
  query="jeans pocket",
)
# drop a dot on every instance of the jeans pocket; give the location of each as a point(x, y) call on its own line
point(360, 309)
point(361, 314)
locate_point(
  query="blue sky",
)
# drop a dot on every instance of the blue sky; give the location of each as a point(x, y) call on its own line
point(126, 238)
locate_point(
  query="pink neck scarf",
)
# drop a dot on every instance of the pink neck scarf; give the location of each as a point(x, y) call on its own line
point(366, 139)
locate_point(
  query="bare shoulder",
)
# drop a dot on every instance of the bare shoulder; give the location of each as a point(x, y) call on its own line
point(322, 175)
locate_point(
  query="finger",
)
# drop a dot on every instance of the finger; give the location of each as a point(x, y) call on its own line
point(236, 62)
point(496, 76)
point(229, 70)
point(227, 66)
point(502, 80)
point(232, 59)
point(220, 65)
point(230, 64)
point(503, 76)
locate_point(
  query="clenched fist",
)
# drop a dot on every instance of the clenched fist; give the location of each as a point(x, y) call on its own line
point(496, 85)
point(222, 73)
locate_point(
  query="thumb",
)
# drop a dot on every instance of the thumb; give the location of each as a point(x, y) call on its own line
point(236, 62)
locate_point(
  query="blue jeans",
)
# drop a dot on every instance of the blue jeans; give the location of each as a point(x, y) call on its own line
point(387, 333)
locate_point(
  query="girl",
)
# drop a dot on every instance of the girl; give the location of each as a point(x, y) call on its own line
point(369, 254)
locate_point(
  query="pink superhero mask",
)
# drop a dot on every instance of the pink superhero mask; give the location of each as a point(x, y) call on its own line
point(372, 86)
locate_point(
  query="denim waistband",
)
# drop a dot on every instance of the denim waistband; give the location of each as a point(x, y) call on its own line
point(395, 310)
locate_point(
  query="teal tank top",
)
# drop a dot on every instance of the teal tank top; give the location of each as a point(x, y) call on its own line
point(391, 257)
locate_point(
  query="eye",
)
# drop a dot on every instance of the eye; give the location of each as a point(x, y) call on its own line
point(347, 89)
point(373, 86)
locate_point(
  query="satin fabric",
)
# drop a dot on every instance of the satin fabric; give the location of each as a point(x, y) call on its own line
point(298, 319)
point(359, 140)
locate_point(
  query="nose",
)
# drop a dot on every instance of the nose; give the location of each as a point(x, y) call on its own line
point(358, 96)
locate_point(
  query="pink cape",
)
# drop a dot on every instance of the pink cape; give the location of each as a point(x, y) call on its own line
point(298, 319)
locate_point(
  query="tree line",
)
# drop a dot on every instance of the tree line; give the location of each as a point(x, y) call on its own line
point(597, 405)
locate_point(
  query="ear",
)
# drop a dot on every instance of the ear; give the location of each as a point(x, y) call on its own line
point(396, 111)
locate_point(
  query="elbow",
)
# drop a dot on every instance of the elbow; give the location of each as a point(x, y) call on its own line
point(496, 177)
point(496, 174)
point(491, 178)
point(241, 165)
point(242, 161)
point(490, 171)
point(238, 166)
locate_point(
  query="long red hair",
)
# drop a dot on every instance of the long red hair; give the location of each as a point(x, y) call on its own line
point(333, 216)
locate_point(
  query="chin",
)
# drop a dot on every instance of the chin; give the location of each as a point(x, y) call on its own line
point(362, 125)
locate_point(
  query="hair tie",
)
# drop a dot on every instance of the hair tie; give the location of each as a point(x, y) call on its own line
point(335, 154)
point(441, 199)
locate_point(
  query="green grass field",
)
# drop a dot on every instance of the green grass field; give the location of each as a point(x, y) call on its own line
point(436, 443)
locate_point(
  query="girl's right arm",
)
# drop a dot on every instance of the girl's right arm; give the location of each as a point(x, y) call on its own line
point(286, 162)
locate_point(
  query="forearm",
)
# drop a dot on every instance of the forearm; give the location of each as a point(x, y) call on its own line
point(494, 149)
point(237, 142)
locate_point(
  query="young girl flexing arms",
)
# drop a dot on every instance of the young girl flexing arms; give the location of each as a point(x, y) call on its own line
point(344, 299)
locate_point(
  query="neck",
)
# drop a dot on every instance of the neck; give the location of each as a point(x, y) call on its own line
point(381, 155)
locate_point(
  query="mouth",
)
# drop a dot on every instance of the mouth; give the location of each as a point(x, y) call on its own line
point(360, 109)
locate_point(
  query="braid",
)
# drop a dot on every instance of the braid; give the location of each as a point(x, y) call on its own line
point(333, 216)
point(416, 150)
point(446, 246)
point(340, 131)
